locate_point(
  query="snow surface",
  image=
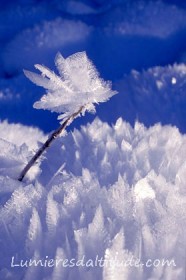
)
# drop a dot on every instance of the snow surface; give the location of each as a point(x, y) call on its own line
point(103, 191)
point(24, 134)
point(144, 92)
point(46, 38)
point(117, 191)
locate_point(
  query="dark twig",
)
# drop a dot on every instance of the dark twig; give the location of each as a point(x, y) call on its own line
point(52, 137)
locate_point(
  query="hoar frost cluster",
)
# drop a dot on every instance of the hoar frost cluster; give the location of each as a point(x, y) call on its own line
point(78, 85)
point(112, 192)
point(72, 93)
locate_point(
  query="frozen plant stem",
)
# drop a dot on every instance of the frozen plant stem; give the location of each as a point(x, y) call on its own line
point(52, 137)
point(75, 90)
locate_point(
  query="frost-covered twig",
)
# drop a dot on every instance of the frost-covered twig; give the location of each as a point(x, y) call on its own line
point(74, 91)
point(52, 137)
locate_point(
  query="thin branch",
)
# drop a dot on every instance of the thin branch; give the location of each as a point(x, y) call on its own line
point(52, 137)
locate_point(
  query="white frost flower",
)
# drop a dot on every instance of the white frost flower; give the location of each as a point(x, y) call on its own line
point(72, 93)
point(78, 85)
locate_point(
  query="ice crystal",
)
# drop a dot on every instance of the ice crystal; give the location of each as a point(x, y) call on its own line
point(77, 85)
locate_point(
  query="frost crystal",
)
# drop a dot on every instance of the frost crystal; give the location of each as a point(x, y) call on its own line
point(78, 85)
point(111, 222)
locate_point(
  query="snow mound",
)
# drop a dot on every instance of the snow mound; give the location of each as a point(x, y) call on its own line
point(42, 41)
point(17, 16)
point(145, 19)
point(155, 95)
point(75, 7)
point(112, 194)
point(19, 134)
